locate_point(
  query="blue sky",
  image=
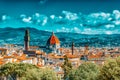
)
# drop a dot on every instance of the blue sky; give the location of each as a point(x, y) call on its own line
point(79, 16)
point(48, 7)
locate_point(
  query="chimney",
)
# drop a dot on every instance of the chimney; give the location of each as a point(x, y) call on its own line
point(26, 40)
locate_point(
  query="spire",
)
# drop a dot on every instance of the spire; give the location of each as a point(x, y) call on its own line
point(72, 48)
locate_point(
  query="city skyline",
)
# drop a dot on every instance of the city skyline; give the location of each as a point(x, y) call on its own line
point(59, 39)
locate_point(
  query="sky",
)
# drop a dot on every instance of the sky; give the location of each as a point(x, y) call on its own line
point(48, 7)
point(78, 16)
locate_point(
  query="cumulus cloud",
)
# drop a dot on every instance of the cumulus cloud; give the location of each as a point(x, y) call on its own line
point(94, 23)
point(109, 26)
point(70, 16)
point(116, 14)
point(52, 16)
point(27, 20)
point(5, 17)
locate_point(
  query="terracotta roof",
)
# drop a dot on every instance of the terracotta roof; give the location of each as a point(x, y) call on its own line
point(1, 62)
point(33, 47)
point(38, 65)
point(2, 49)
point(51, 55)
point(94, 56)
point(17, 61)
point(58, 57)
point(40, 52)
point(15, 54)
point(72, 56)
point(5, 57)
point(53, 40)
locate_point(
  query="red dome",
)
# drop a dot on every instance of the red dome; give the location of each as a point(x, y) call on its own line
point(53, 40)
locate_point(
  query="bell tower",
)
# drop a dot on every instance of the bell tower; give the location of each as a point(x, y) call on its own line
point(72, 48)
point(26, 40)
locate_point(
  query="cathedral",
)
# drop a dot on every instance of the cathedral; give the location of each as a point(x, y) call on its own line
point(52, 44)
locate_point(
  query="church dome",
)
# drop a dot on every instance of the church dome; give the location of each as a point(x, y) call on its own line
point(53, 40)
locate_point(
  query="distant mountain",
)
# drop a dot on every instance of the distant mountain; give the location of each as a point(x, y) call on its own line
point(37, 37)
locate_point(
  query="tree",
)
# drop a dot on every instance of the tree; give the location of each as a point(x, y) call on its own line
point(15, 71)
point(86, 71)
point(24, 71)
point(48, 74)
point(32, 74)
point(67, 67)
point(7, 70)
point(71, 75)
point(110, 70)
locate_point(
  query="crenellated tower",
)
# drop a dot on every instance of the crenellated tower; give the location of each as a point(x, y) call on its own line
point(72, 48)
point(26, 40)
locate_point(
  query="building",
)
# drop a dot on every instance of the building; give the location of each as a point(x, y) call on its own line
point(53, 44)
point(3, 51)
point(26, 40)
point(29, 50)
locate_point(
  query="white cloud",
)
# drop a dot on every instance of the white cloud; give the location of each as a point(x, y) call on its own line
point(5, 17)
point(44, 21)
point(108, 32)
point(37, 14)
point(27, 20)
point(94, 23)
point(76, 29)
point(22, 16)
point(101, 14)
point(117, 22)
point(70, 16)
point(60, 17)
point(116, 14)
point(109, 26)
point(52, 16)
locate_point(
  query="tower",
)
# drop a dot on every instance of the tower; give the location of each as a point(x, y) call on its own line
point(86, 51)
point(72, 48)
point(26, 40)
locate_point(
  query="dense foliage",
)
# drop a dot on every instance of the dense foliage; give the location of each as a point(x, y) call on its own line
point(111, 70)
point(90, 71)
point(23, 71)
point(86, 71)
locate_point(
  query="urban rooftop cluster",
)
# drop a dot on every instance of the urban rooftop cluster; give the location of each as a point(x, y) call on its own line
point(53, 55)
